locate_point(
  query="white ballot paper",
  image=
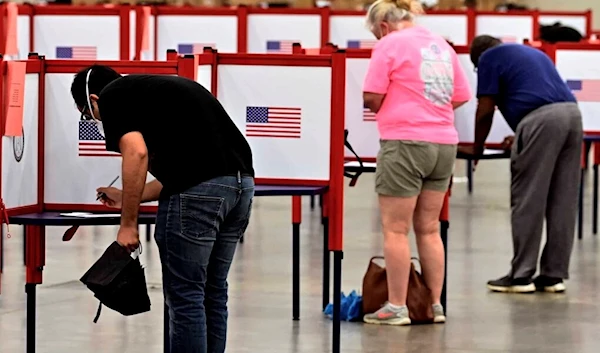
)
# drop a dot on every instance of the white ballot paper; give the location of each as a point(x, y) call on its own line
point(90, 215)
point(355, 164)
point(488, 152)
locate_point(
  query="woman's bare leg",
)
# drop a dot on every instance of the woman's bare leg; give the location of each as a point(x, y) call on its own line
point(429, 242)
point(396, 216)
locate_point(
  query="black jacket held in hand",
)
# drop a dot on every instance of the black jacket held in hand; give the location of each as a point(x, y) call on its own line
point(118, 282)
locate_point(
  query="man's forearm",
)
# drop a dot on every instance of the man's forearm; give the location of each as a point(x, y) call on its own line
point(483, 125)
point(373, 101)
point(456, 105)
point(152, 191)
point(135, 168)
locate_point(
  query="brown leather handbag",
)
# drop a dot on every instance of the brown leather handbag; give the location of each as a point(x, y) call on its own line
point(375, 293)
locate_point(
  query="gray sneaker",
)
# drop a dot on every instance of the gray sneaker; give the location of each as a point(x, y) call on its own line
point(438, 314)
point(389, 316)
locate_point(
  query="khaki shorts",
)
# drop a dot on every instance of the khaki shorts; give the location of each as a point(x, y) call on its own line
point(404, 168)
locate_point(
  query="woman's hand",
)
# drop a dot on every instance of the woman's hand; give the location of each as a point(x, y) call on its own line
point(111, 197)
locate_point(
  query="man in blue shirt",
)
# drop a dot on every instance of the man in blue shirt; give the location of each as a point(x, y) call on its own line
point(545, 157)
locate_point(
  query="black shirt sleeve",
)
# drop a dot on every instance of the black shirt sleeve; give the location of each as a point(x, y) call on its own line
point(118, 115)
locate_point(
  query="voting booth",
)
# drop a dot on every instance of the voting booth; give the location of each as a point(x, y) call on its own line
point(81, 33)
point(294, 124)
point(189, 30)
point(293, 118)
point(274, 31)
point(361, 123)
point(348, 29)
point(76, 160)
point(578, 66)
point(59, 165)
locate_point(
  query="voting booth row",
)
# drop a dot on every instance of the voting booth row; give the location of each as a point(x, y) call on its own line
point(146, 33)
point(53, 161)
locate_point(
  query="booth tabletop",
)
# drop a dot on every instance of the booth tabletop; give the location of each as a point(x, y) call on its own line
point(487, 154)
point(56, 219)
point(288, 190)
point(591, 138)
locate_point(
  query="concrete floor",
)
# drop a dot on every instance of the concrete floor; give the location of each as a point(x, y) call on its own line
point(260, 282)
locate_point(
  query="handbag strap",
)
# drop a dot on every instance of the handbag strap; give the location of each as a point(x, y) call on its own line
point(98, 312)
point(353, 177)
point(418, 261)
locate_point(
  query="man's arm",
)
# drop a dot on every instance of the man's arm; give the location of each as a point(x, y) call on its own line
point(152, 191)
point(483, 122)
point(456, 105)
point(134, 170)
point(373, 101)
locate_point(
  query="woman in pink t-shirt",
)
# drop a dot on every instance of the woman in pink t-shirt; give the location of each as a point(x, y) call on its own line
point(413, 84)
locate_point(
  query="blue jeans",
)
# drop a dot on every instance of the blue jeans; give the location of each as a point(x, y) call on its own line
point(197, 232)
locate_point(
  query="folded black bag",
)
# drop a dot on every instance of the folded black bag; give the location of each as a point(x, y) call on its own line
point(118, 282)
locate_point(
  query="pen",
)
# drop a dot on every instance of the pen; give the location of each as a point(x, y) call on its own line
point(109, 185)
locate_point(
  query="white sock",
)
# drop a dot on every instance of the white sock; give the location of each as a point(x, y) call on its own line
point(396, 308)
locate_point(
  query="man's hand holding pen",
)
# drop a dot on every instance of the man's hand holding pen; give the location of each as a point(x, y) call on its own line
point(110, 196)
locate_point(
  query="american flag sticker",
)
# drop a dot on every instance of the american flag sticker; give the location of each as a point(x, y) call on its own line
point(194, 48)
point(282, 122)
point(585, 90)
point(91, 143)
point(77, 53)
point(361, 44)
point(368, 115)
point(280, 46)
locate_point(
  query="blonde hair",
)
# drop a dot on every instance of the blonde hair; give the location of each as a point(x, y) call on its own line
point(392, 11)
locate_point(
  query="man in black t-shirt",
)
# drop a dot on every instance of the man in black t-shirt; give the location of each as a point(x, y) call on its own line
point(175, 129)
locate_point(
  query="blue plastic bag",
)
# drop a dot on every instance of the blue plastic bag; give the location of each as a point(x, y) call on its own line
point(350, 308)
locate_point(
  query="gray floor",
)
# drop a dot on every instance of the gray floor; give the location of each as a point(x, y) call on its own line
point(260, 282)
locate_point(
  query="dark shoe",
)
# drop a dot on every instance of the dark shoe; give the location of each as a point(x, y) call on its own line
point(511, 285)
point(549, 284)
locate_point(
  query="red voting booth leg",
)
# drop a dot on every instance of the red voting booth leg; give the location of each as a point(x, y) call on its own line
point(35, 260)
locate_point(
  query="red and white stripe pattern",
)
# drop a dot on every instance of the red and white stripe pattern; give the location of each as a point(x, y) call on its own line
point(368, 115)
point(91, 142)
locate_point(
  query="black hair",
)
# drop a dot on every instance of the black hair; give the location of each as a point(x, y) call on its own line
point(480, 44)
point(100, 77)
